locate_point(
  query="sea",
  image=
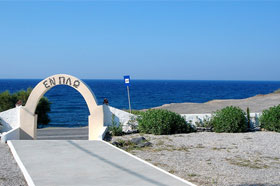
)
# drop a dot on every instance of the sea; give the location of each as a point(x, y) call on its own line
point(69, 109)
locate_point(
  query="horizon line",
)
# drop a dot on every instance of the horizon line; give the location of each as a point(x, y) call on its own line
point(142, 79)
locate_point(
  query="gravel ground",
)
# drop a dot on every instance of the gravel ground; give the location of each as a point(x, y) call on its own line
point(10, 174)
point(206, 158)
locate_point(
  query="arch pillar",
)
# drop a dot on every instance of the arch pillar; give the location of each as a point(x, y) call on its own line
point(28, 125)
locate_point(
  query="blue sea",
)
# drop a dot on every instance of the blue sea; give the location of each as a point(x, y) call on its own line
point(68, 108)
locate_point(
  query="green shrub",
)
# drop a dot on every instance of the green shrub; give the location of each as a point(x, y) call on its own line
point(230, 119)
point(270, 119)
point(8, 101)
point(42, 110)
point(116, 128)
point(159, 122)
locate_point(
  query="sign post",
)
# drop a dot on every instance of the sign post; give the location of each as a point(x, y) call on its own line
point(127, 83)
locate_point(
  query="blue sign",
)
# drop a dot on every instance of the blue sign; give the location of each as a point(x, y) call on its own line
point(126, 80)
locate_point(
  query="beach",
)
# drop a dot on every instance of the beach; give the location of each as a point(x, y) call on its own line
point(256, 104)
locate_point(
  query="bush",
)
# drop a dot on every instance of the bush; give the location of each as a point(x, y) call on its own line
point(270, 119)
point(42, 110)
point(116, 128)
point(159, 122)
point(230, 119)
point(8, 101)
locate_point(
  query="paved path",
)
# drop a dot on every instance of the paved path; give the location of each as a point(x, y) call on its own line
point(82, 162)
point(63, 133)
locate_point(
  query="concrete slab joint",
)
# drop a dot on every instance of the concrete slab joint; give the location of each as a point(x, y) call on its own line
point(28, 118)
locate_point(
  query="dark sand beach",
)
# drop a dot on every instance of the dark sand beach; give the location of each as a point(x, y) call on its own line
point(256, 104)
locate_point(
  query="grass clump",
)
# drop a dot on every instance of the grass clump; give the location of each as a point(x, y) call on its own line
point(116, 128)
point(230, 119)
point(161, 122)
point(253, 164)
point(270, 119)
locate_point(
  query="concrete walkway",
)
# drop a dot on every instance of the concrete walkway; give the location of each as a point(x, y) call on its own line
point(81, 163)
point(62, 133)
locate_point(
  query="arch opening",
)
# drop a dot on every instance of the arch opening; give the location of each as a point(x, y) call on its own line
point(28, 118)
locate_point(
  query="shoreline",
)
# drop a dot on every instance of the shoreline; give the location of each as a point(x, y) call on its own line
point(256, 104)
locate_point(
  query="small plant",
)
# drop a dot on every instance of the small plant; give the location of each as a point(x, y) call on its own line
point(248, 117)
point(207, 123)
point(160, 122)
point(133, 123)
point(230, 119)
point(199, 122)
point(1, 124)
point(270, 119)
point(116, 128)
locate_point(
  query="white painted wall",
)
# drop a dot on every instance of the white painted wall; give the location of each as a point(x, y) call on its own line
point(124, 118)
point(10, 119)
point(121, 117)
point(10, 135)
point(195, 119)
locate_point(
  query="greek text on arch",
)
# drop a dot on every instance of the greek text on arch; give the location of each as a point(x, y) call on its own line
point(61, 81)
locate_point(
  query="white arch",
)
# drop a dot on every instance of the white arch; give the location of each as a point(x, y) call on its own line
point(28, 117)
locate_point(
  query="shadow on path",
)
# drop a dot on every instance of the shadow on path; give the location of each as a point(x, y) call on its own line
point(117, 166)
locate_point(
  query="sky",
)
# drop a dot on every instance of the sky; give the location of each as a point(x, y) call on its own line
point(174, 40)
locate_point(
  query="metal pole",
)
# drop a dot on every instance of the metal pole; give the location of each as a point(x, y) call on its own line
point(128, 99)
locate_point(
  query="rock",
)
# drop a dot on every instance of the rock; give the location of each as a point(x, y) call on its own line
point(115, 143)
point(146, 144)
point(138, 141)
point(203, 129)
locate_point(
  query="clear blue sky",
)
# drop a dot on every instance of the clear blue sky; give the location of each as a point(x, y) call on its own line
point(149, 40)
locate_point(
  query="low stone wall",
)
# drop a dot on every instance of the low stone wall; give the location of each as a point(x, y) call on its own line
point(10, 135)
point(200, 119)
point(126, 119)
point(10, 119)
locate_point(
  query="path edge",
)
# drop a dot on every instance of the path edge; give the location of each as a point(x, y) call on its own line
point(20, 164)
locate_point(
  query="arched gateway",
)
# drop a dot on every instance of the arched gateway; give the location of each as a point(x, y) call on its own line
point(28, 118)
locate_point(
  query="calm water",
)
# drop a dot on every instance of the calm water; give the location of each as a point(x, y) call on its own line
point(69, 108)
